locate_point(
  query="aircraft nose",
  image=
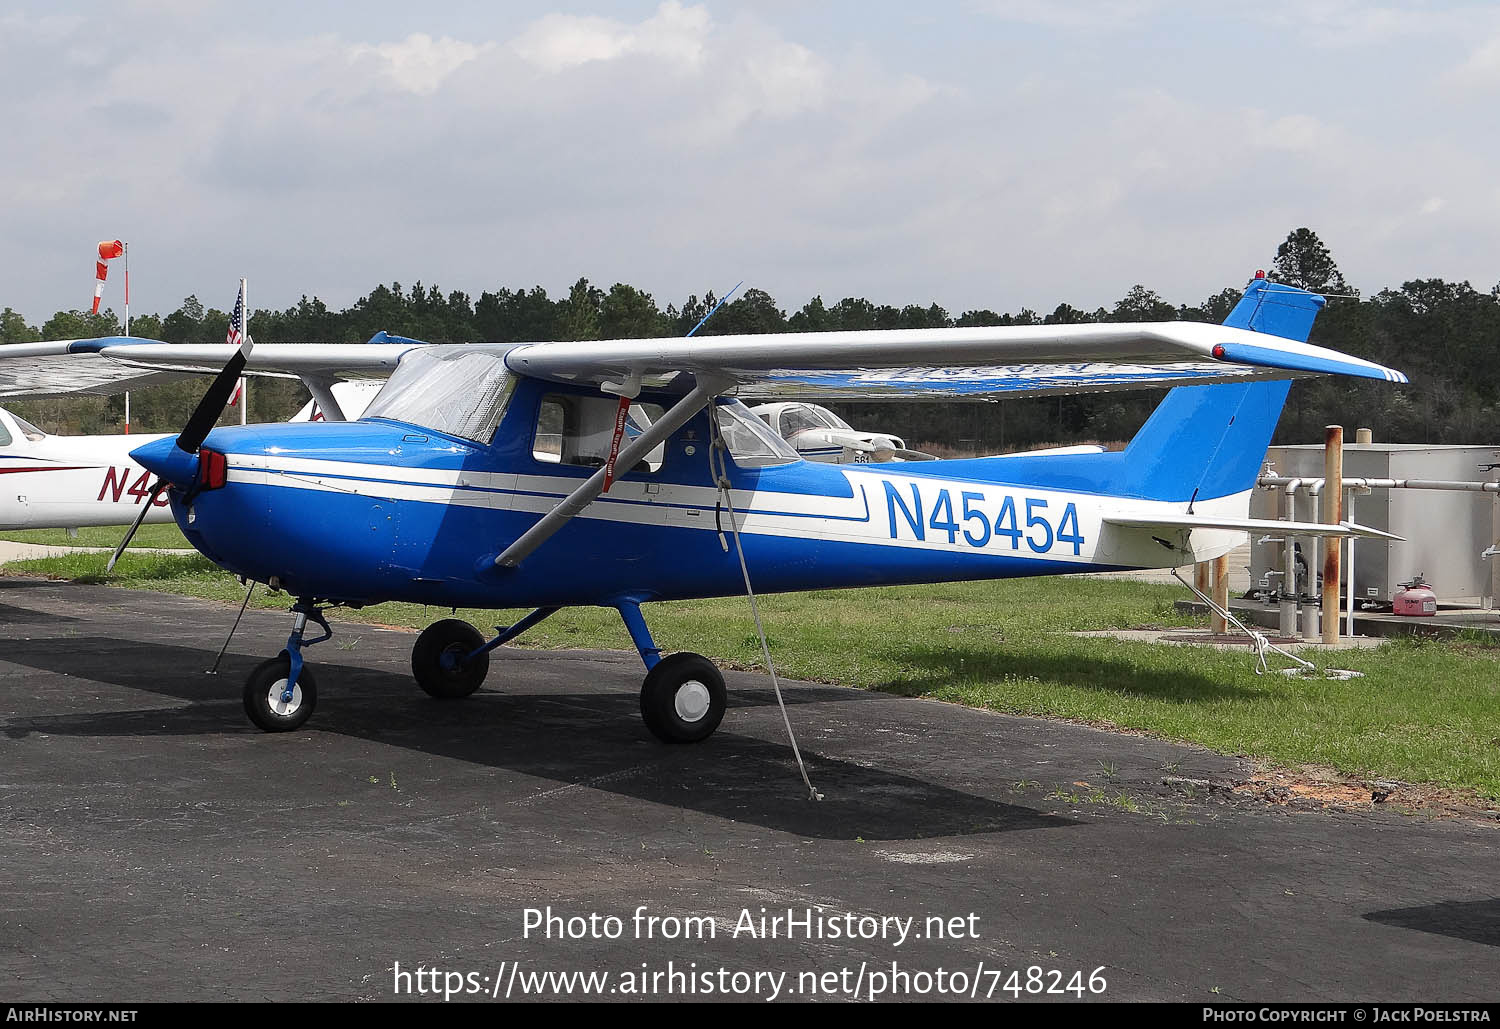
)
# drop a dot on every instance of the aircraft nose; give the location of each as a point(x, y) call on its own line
point(164, 459)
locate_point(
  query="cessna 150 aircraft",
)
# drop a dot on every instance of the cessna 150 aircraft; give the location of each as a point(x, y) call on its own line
point(494, 476)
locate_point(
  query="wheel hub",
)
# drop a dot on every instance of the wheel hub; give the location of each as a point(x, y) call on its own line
point(451, 660)
point(284, 708)
point(691, 701)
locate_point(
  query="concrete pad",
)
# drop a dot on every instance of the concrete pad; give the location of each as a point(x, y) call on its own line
point(1226, 641)
point(153, 846)
point(13, 551)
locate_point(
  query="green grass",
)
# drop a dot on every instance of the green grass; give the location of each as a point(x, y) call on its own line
point(166, 536)
point(1426, 711)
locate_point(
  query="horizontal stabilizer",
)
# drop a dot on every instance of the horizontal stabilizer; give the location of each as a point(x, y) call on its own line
point(1171, 523)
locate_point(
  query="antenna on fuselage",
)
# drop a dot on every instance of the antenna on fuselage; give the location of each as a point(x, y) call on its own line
point(722, 301)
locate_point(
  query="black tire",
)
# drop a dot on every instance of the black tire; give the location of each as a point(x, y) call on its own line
point(263, 696)
point(454, 638)
point(683, 699)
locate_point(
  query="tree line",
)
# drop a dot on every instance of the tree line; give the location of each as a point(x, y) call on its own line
point(1440, 333)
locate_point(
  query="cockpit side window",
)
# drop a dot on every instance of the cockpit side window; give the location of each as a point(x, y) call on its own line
point(751, 442)
point(579, 430)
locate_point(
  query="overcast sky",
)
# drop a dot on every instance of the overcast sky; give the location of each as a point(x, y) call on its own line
point(990, 153)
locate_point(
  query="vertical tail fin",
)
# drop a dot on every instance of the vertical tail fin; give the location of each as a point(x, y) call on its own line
point(1204, 442)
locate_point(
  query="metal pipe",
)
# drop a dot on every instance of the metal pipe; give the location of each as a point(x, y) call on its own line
point(1333, 546)
point(1313, 546)
point(1349, 508)
point(1288, 606)
point(1475, 486)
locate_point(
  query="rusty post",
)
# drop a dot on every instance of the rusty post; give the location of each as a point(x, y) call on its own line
point(1217, 625)
point(1333, 513)
point(1200, 575)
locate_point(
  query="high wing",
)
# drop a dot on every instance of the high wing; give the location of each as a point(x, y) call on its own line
point(114, 364)
point(947, 363)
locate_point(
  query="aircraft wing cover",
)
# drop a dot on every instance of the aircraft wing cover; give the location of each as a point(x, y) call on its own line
point(948, 363)
point(114, 364)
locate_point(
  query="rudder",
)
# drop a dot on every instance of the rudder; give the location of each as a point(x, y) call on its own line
point(1204, 442)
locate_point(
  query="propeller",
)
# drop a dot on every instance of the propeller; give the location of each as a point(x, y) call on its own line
point(179, 466)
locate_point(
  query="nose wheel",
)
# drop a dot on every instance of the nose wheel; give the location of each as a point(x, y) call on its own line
point(281, 693)
point(683, 699)
point(273, 706)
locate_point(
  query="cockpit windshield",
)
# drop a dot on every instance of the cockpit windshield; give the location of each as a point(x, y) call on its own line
point(28, 430)
point(458, 390)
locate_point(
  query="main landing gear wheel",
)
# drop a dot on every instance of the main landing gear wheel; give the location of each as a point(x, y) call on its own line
point(683, 699)
point(264, 696)
point(437, 659)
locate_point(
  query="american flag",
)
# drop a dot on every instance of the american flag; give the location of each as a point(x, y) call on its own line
point(237, 334)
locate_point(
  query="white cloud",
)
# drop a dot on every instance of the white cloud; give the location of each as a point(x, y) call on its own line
point(695, 145)
point(1482, 66)
point(1072, 14)
point(419, 63)
point(675, 34)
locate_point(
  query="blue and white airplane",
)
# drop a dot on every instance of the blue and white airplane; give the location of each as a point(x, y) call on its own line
point(623, 472)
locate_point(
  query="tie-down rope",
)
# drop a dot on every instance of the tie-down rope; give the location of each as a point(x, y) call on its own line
point(1262, 644)
point(718, 465)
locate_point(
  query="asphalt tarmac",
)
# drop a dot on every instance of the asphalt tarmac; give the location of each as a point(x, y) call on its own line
point(153, 846)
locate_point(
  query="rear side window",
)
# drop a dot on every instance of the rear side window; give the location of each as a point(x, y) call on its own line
point(579, 430)
point(4, 435)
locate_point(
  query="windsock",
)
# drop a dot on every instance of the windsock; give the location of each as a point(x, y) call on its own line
point(109, 249)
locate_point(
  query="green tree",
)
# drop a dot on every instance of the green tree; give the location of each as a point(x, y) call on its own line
point(1142, 305)
point(754, 312)
point(578, 317)
point(814, 317)
point(627, 313)
point(13, 329)
point(1303, 261)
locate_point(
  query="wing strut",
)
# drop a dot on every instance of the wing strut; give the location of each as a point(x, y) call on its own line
point(321, 388)
point(700, 397)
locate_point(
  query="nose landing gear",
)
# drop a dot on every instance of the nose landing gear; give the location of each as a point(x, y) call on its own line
point(281, 693)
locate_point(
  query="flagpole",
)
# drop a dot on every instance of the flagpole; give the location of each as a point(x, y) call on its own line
point(127, 329)
point(244, 391)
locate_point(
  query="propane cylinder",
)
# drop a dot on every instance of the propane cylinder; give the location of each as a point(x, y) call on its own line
point(1415, 599)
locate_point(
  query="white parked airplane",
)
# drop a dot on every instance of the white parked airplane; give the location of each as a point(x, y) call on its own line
point(64, 482)
point(817, 434)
